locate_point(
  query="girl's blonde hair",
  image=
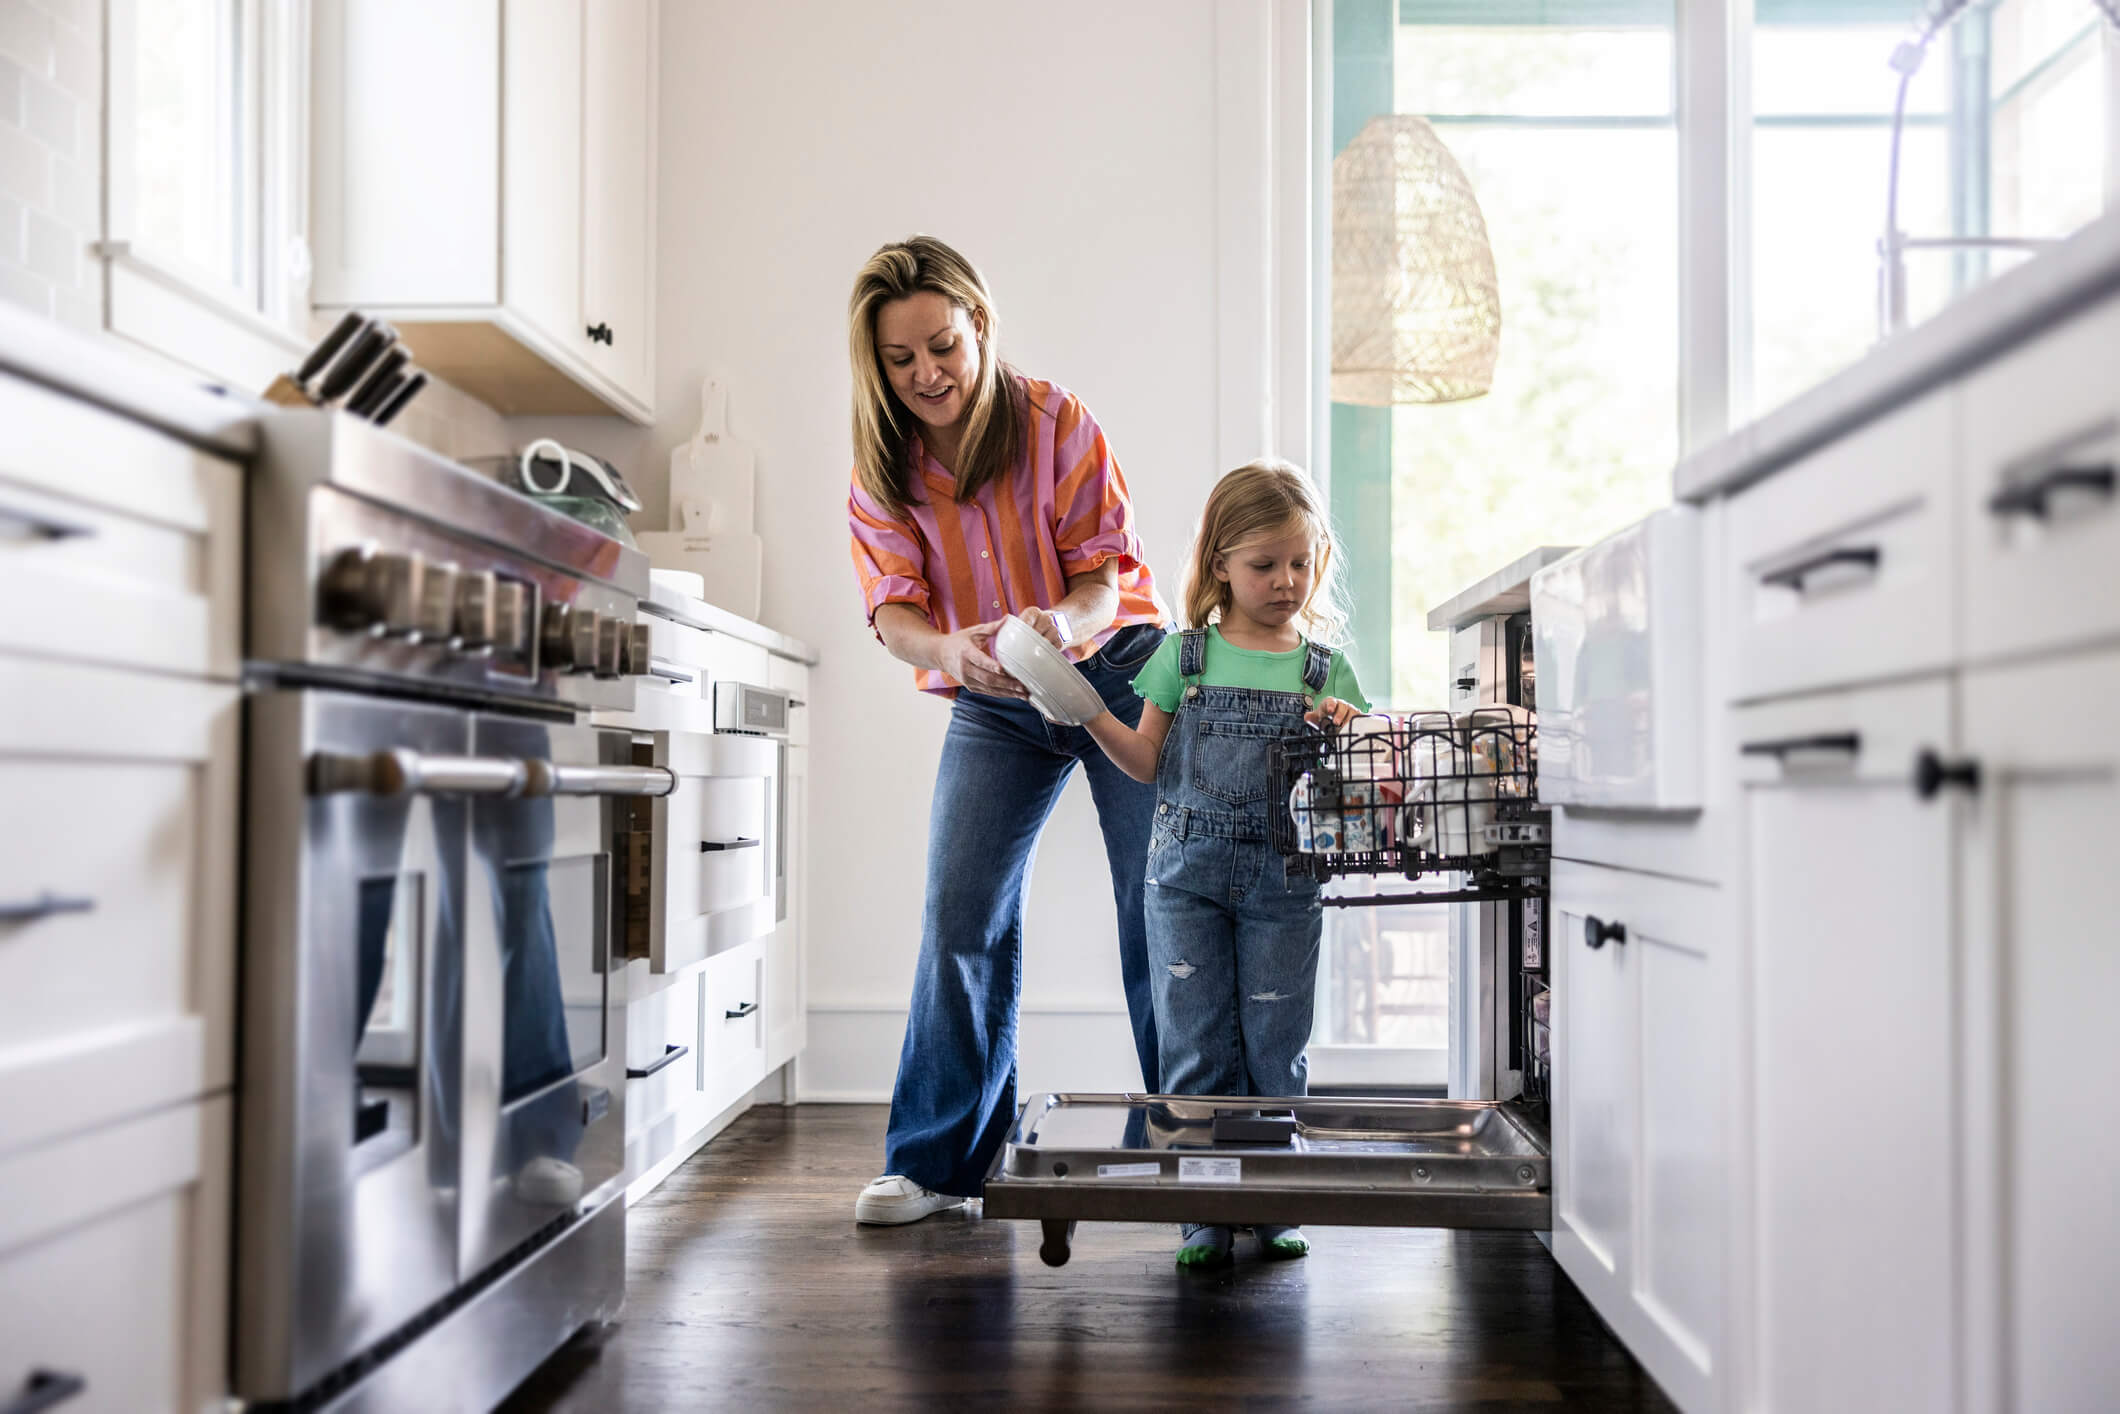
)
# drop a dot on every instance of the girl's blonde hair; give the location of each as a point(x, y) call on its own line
point(1266, 500)
point(884, 426)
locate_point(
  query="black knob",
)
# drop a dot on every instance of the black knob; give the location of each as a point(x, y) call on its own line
point(1932, 773)
point(1597, 932)
point(600, 334)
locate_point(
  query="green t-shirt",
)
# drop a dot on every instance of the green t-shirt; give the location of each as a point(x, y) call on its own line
point(1231, 666)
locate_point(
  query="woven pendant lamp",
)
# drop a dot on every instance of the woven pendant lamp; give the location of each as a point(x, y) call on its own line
point(1416, 312)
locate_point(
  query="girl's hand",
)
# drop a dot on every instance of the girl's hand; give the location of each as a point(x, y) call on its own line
point(967, 655)
point(1331, 710)
point(1051, 623)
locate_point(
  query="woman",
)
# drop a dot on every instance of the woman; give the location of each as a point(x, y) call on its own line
point(979, 493)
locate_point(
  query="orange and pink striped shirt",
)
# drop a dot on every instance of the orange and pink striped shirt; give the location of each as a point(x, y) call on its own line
point(1063, 511)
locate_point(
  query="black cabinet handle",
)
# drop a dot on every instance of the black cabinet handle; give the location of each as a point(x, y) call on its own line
point(740, 1013)
point(43, 906)
point(671, 1053)
point(714, 846)
point(1849, 742)
point(1932, 773)
point(600, 334)
point(1868, 556)
point(2030, 497)
point(44, 1389)
point(1597, 932)
point(43, 527)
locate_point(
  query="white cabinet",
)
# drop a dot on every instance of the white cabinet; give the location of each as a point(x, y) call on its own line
point(1852, 1059)
point(1640, 1160)
point(516, 254)
point(2042, 966)
point(787, 992)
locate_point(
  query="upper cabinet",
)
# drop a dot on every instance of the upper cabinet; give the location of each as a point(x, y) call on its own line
point(483, 178)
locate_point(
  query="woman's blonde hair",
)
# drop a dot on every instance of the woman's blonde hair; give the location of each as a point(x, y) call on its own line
point(884, 426)
point(1265, 500)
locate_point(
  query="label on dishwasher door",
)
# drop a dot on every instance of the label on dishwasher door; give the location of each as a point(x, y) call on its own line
point(1129, 1170)
point(1210, 1170)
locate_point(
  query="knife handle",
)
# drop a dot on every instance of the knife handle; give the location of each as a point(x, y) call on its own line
point(348, 368)
point(395, 404)
point(379, 384)
point(341, 335)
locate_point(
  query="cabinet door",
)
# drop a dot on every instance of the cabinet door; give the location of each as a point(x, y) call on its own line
point(541, 191)
point(787, 1005)
point(1848, 907)
point(618, 172)
point(1641, 1028)
point(2042, 967)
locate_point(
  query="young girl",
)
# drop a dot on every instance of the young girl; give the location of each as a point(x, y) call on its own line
point(1232, 938)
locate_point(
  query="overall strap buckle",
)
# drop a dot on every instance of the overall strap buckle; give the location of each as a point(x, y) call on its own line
point(1317, 667)
point(1192, 653)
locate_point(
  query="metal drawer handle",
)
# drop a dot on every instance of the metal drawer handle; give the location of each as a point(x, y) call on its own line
point(44, 906)
point(44, 1389)
point(2030, 498)
point(1868, 556)
point(659, 669)
point(741, 1012)
point(1932, 773)
point(671, 1053)
point(400, 772)
point(43, 527)
point(1848, 742)
point(716, 846)
point(1597, 932)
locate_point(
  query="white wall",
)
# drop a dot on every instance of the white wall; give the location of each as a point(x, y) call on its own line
point(1103, 168)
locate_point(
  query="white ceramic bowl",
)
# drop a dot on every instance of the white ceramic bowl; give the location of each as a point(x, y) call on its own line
point(1058, 690)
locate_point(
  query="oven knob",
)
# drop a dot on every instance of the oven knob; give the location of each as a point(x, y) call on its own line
point(611, 638)
point(344, 598)
point(637, 650)
point(475, 592)
point(585, 629)
point(434, 619)
point(394, 582)
point(556, 638)
point(511, 620)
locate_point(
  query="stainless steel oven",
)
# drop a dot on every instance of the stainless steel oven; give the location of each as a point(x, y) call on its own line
point(431, 1120)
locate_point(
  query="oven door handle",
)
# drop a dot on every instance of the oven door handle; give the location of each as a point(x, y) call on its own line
point(392, 774)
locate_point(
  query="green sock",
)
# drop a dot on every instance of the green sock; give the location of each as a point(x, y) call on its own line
point(1281, 1242)
point(1205, 1245)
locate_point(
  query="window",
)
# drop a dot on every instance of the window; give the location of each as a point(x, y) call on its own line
point(205, 185)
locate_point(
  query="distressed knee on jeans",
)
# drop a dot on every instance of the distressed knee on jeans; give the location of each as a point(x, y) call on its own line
point(1181, 969)
point(1269, 996)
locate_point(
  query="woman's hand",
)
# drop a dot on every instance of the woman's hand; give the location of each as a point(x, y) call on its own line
point(1333, 711)
point(968, 656)
point(1053, 624)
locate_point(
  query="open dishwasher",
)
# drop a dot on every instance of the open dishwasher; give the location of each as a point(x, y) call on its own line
point(1448, 805)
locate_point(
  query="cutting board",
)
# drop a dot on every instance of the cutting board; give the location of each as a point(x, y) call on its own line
point(712, 500)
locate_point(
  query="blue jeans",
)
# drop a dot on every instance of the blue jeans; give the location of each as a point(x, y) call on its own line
point(1003, 767)
point(1233, 954)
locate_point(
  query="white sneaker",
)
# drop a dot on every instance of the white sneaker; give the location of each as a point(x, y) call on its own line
point(895, 1198)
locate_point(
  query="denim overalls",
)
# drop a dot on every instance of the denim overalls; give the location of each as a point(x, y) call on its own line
point(1232, 939)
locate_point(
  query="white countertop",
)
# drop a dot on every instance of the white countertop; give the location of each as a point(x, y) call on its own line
point(1506, 591)
point(2004, 312)
point(103, 372)
point(698, 613)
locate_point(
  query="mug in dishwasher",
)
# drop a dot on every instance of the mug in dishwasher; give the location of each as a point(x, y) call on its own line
point(1448, 808)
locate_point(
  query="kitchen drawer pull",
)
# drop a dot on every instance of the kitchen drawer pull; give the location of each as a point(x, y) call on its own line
point(741, 1012)
point(600, 334)
point(1868, 556)
point(391, 774)
point(716, 846)
point(43, 527)
point(1847, 742)
point(671, 1054)
point(1597, 932)
point(659, 669)
point(2030, 497)
point(44, 1389)
point(44, 906)
point(1932, 773)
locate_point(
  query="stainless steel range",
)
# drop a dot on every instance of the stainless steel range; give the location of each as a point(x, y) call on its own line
point(433, 1077)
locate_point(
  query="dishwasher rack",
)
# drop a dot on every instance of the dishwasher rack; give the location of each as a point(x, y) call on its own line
point(1419, 795)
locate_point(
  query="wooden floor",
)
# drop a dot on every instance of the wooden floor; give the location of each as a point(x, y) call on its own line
point(752, 1287)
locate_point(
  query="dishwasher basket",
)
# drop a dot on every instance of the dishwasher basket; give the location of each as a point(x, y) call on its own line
point(1413, 794)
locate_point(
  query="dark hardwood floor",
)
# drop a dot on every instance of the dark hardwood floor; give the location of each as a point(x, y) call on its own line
point(752, 1287)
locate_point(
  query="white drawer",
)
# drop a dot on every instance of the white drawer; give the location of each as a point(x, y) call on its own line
point(1842, 564)
point(662, 1060)
point(114, 1258)
point(117, 982)
point(679, 654)
point(117, 544)
point(786, 1016)
point(732, 1025)
point(1680, 846)
point(713, 868)
point(793, 678)
point(2041, 513)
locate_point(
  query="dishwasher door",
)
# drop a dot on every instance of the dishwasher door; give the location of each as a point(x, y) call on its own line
point(1241, 1160)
